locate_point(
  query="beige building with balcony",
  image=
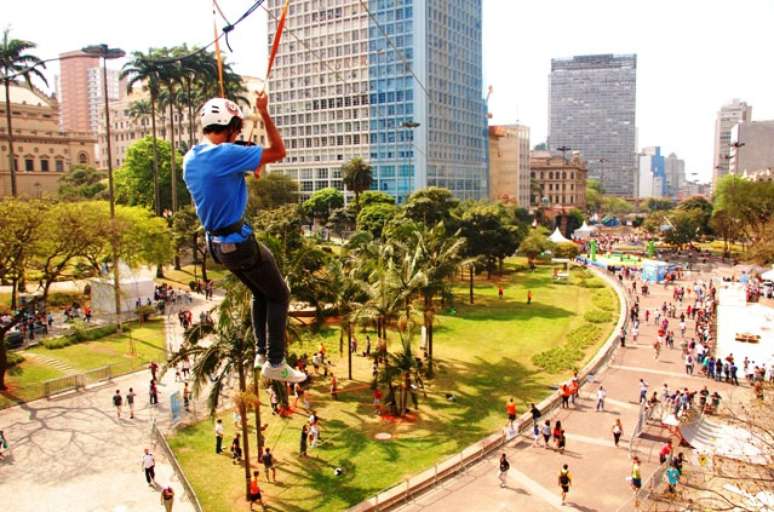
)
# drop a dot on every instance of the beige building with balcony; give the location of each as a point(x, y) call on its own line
point(509, 178)
point(43, 152)
point(561, 181)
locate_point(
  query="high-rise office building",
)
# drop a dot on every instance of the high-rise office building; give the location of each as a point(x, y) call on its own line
point(727, 117)
point(72, 90)
point(509, 178)
point(652, 177)
point(674, 174)
point(401, 88)
point(592, 103)
point(80, 92)
point(756, 150)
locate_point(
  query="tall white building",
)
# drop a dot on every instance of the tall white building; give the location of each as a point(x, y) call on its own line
point(509, 178)
point(727, 117)
point(651, 178)
point(403, 92)
point(674, 175)
point(95, 93)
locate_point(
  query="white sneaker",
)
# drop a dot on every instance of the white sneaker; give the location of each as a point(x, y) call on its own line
point(260, 360)
point(282, 372)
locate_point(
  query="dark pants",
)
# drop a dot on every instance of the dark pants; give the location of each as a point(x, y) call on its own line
point(255, 266)
point(218, 444)
point(150, 474)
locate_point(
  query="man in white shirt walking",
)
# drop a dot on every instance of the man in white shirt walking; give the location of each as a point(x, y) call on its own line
point(601, 394)
point(149, 466)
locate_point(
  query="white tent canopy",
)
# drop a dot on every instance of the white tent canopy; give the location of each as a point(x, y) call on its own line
point(583, 232)
point(557, 237)
point(135, 284)
point(768, 275)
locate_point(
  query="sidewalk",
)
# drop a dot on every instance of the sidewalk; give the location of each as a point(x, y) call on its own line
point(71, 451)
point(599, 469)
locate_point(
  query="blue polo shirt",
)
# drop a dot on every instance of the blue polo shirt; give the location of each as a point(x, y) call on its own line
point(215, 177)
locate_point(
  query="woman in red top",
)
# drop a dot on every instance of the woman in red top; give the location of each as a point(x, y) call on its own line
point(255, 491)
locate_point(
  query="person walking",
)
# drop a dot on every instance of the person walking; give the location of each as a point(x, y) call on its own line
point(510, 409)
point(130, 402)
point(636, 479)
point(186, 397)
point(504, 467)
point(535, 412)
point(153, 367)
point(304, 440)
point(219, 436)
point(601, 395)
point(118, 403)
point(153, 392)
point(565, 481)
point(167, 498)
point(334, 387)
point(268, 465)
point(643, 391)
point(149, 467)
point(546, 432)
point(617, 431)
point(236, 449)
point(255, 492)
point(672, 478)
point(214, 173)
point(529, 297)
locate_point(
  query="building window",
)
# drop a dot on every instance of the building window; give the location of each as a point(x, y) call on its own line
point(29, 164)
point(44, 165)
point(59, 165)
point(83, 158)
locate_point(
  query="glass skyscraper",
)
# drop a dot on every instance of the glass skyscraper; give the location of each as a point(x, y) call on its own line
point(592, 101)
point(345, 88)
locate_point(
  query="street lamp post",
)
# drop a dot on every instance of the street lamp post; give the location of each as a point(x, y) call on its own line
point(405, 125)
point(103, 51)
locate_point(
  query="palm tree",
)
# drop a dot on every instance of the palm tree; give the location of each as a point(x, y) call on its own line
point(231, 351)
point(169, 76)
point(142, 69)
point(357, 176)
point(400, 371)
point(139, 111)
point(440, 256)
point(15, 59)
point(347, 292)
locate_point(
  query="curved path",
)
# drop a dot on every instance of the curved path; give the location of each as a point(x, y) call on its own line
point(599, 469)
point(71, 453)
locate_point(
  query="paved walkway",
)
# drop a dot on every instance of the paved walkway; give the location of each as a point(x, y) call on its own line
point(599, 469)
point(72, 453)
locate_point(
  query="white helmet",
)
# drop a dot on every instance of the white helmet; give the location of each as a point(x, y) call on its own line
point(219, 111)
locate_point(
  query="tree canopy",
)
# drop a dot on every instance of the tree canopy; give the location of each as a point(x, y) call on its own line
point(134, 179)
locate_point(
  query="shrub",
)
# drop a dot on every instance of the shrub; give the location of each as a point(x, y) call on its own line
point(566, 250)
point(14, 359)
point(567, 357)
point(80, 332)
point(603, 300)
point(598, 316)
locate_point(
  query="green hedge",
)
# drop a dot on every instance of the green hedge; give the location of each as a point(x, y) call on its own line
point(567, 357)
point(603, 300)
point(14, 359)
point(598, 316)
point(80, 333)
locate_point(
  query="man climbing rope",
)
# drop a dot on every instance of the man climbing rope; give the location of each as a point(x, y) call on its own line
point(214, 172)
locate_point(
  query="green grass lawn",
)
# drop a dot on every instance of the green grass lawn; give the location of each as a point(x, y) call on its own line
point(484, 355)
point(26, 380)
point(186, 274)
